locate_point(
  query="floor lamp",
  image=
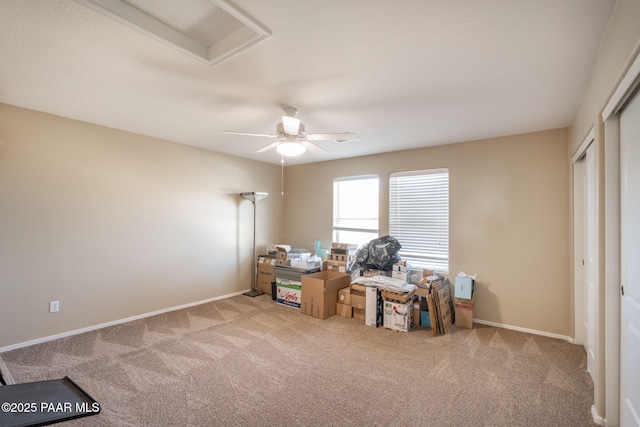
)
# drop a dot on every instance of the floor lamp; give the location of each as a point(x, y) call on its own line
point(254, 197)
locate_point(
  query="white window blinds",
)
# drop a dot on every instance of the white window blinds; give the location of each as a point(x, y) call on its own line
point(419, 217)
point(355, 209)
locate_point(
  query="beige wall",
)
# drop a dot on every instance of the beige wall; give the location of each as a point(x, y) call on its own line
point(115, 225)
point(509, 219)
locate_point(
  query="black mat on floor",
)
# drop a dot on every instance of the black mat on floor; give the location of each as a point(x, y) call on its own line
point(44, 402)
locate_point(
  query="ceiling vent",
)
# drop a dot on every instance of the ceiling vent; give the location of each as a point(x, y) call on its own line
point(208, 30)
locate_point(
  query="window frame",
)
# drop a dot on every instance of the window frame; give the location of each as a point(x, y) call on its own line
point(335, 230)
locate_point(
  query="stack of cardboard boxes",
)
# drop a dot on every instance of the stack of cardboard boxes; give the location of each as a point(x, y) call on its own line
point(430, 305)
point(341, 257)
point(376, 307)
point(439, 305)
point(327, 293)
point(344, 307)
point(293, 281)
point(280, 275)
point(465, 299)
point(289, 283)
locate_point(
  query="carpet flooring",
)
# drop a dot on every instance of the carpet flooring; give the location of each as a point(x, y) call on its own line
point(250, 362)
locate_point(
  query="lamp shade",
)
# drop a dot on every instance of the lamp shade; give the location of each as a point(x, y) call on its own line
point(290, 149)
point(254, 196)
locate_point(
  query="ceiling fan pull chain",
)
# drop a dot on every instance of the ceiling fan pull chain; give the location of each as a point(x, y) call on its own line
point(282, 176)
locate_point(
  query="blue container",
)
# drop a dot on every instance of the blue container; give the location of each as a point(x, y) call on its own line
point(425, 320)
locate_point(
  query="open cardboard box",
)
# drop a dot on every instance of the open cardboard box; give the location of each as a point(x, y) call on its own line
point(320, 293)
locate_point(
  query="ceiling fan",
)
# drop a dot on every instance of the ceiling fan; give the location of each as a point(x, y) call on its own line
point(293, 139)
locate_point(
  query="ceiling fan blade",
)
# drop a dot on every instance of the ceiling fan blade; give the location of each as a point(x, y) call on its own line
point(313, 148)
point(268, 147)
point(337, 137)
point(250, 134)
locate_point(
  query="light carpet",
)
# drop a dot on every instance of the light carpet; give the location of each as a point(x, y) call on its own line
point(250, 362)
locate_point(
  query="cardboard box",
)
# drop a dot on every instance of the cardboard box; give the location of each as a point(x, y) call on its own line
point(422, 292)
point(359, 301)
point(419, 304)
point(358, 313)
point(320, 293)
point(358, 296)
point(266, 274)
point(445, 307)
point(357, 287)
point(344, 296)
point(338, 266)
point(344, 310)
point(337, 247)
point(464, 312)
point(288, 293)
point(464, 287)
point(340, 257)
point(281, 256)
point(399, 297)
point(398, 316)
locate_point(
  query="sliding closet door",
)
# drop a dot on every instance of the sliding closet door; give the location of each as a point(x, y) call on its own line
point(630, 265)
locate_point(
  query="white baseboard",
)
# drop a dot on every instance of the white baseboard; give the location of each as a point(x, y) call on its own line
point(115, 322)
point(6, 375)
point(530, 331)
point(597, 418)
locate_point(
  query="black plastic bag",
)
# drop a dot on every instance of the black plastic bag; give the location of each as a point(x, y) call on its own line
point(378, 254)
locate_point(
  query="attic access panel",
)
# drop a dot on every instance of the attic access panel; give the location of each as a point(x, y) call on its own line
point(209, 30)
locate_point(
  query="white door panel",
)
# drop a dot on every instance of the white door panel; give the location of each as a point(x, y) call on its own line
point(630, 265)
point(590, 262)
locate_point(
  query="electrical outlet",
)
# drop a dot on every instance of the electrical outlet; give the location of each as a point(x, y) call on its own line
point(54, 306)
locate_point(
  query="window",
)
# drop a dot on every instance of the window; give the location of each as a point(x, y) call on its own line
point(355, 209)
point(419, 217)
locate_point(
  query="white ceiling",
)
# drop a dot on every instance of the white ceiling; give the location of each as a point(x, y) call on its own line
point(400, 74)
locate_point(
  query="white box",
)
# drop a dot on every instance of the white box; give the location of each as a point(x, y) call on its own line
point(371, 307)
point(289, 293)
point(464, 287)
point(401, 275)
point(397, 316)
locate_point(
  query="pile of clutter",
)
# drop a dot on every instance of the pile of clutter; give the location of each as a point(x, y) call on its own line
point(372, 284)
point(394, 303)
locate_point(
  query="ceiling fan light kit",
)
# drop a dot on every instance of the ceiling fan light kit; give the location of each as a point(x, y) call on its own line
point(293, 139)
point(290, 149)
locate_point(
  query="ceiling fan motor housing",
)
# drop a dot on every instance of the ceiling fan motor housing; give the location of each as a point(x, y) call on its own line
point(280, 133)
